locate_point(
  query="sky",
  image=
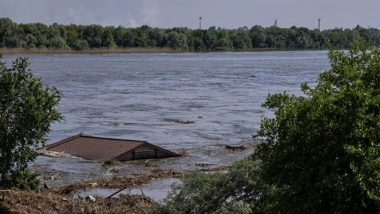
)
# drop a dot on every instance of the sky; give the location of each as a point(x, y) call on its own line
point(186, 13)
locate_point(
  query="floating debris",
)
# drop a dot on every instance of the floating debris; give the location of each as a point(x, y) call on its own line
point(91, 198)
point(120, 182)
point(179, 121)
point(53, 154)
point(16, 201)
point(156, 190)
point(235, 148)
point(204, 164)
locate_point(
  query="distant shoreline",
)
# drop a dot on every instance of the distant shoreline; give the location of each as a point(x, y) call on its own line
point(87, 51)
point(9, 51)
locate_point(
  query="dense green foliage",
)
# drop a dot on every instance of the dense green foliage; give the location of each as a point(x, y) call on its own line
point(238, 191)
point(27, 108)
point(23, 179)
point(79, 37)
point(321, 152)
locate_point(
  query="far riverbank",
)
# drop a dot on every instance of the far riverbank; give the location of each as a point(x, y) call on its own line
point(6, 51)
point(94, 50)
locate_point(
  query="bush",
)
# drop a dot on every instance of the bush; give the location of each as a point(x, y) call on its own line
point(321, 152)
point(237, 191)
point(22, 179)
point(27, 109)
point(322, 148)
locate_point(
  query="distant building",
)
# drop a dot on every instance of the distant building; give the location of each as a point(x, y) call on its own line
point(99, 148)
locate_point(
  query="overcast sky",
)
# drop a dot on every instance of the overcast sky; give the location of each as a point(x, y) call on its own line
point(171, 13)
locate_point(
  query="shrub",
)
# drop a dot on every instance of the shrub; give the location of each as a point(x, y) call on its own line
point(321, 152)
point(27, 109)
point(22, 179)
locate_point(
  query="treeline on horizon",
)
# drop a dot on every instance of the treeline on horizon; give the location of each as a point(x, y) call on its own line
point(82, 37)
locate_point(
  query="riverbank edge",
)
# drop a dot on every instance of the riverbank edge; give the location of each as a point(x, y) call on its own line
point(7, 51)
point(87, 51)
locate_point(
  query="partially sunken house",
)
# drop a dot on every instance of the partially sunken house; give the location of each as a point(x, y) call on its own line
point(99, 148)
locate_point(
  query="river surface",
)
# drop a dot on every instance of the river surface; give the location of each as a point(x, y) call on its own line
point(145, 96)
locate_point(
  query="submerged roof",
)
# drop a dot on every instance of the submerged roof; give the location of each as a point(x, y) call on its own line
point(100, 148)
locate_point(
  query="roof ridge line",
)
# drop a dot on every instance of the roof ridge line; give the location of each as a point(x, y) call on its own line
point(109, 138)
point(64, 140)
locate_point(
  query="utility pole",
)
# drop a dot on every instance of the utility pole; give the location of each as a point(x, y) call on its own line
point(275, 23)
point(200, 22)
point(319, 24)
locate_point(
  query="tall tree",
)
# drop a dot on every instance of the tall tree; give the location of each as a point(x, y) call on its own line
point(322, 149)
point(27, 109)
point(320, 152)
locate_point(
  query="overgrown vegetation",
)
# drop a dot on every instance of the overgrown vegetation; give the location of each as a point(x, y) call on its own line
point(321, 155)
point(82, 37)
point(27, 109)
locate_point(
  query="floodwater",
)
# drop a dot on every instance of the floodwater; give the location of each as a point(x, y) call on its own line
point(145, 96)
point(157, 190)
